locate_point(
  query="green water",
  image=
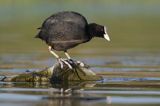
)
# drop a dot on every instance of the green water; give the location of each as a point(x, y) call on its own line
point(132, 25)
point(130, 63)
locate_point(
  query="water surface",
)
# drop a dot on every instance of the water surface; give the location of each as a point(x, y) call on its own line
point(129, 64)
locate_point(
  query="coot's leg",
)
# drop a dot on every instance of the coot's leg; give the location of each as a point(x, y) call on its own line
point(52, 52)
point(67, 55)
point(79, 62)
point(65, 62)
point(60, 60)
point(70, 61)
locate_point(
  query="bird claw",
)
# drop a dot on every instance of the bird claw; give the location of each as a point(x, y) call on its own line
point(69, 63)
point(62, 61)
point(81, 63)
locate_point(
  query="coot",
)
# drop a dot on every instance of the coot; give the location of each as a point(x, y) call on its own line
point(65, 30)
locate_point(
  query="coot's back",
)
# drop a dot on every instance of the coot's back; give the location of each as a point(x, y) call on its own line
point(64, 30)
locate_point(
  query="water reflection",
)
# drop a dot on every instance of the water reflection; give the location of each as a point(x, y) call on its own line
point(89, 93)
point(61, 94)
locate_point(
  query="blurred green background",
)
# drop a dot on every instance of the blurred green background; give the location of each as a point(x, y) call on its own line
point(133, 25)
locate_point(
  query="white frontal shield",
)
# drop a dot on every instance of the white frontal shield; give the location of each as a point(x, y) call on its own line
point(106, 36)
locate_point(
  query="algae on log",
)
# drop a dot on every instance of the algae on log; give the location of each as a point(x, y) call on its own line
point(79, 72)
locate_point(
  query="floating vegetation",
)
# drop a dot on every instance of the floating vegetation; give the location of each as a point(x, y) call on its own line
point(79, 72)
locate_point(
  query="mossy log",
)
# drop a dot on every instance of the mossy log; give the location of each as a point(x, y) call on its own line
point(79, 72)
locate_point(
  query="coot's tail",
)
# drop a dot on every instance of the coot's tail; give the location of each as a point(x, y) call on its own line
point(37, 36)
point(42, 34)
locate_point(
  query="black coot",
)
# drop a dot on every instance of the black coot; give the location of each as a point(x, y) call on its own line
point(65, 30)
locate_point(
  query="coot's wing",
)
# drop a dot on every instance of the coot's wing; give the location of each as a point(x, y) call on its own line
point(44, 29)
point(64, 26)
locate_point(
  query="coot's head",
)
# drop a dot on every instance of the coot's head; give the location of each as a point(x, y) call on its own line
point(96, 30)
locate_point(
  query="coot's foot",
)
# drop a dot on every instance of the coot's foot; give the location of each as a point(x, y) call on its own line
point(80, 63)
point(62, 61)
point(74, 62)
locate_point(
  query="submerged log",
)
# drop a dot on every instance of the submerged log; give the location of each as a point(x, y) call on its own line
point(79, 72)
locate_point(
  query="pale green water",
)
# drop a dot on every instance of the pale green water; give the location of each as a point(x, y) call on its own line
point(130, 63)
point(132, 25)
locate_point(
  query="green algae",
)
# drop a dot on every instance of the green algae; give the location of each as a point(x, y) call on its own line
point(56, 73)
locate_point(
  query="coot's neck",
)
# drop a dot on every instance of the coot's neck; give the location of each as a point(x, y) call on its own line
point(95, 30)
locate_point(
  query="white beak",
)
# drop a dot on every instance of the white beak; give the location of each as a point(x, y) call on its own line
point(106, 36)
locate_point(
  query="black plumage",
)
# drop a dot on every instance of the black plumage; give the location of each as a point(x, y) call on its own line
point(65, 30)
